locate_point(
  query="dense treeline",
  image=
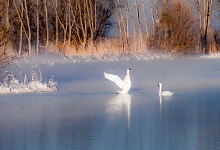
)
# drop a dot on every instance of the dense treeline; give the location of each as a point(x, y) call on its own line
point(37, 23)
point(81, 26)
point(175, 26)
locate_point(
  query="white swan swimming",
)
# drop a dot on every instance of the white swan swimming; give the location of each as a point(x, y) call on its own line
point(164, 93)
point(124, 85)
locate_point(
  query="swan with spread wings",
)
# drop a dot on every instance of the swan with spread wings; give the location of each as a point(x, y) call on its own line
point(124, 85)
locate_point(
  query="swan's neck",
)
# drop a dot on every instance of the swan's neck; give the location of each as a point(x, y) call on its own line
point(160, 88)
point(128, 74)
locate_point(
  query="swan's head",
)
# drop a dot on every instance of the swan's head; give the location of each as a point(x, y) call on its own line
point(159, 85)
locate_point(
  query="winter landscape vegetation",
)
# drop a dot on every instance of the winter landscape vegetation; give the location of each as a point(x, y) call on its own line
point(53, 93)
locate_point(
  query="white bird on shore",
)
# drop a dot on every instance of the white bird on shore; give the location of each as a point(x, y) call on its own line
point(164, 93)
point(124, 85)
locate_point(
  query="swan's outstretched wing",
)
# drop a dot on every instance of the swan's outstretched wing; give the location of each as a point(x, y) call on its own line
point(114, 78)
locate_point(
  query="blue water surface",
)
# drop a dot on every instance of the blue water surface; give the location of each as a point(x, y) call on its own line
point(86, 113)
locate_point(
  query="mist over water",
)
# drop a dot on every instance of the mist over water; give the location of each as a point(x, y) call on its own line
point(87, 113)
point(182, 76)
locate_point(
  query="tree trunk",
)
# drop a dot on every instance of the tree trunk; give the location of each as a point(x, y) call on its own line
point(7, 14)
point(124, 29)
point(145, 18)
point(200, 26)
point(207, 26)
point(127, 24)
point(63, 25)
point(69, 22)
point(82, 25)
point(21, 35)
point(134, 31)
point(29, 28)
point(89, 9)
point(20, 16)
point(37, 46)
point(47, 22)
point(152, 18)
point(119, 19)
point(57, 29)
point(137, 5)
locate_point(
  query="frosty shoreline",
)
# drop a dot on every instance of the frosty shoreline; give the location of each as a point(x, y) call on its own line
point(51, 59)
point(16, 80)
point(14, 86)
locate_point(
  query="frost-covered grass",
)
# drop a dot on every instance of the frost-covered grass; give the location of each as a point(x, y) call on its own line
point(51, 59)
point(34, 86)
point(13, 84)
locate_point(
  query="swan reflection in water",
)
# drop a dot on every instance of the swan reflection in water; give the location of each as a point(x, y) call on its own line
point(118, 105)
point(162, 100)
point(161, 103)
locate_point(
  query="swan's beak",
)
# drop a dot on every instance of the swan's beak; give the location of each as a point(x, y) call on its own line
point(158, 85)
point(129, 69)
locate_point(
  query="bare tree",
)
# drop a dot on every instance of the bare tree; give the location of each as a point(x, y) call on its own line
point(206, 10)
point(70, 21)
point(79, 22)
point(5, 33)
point(20, 11)
point(56, 22)
point(7, 24)
point(137, 6)
point(152, 4)
point(21, 34)
point(200, 24)
point(26, 10)
point(134, 38)
point(207, 15)
point(37, 45)
point(47, 22)
point(82, 27)
point(91, 20)
point(117, 4)
point(145, 18)
point(177, 27)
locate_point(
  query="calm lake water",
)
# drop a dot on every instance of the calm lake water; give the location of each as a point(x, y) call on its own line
point(86, 113)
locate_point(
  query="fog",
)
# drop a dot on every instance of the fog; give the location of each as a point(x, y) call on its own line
point(85, 74)
point(181, 76)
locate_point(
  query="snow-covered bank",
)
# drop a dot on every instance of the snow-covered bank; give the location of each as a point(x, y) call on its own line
point(24, 79)
point(211, 56)
point(14, 86)
point(51, 59)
